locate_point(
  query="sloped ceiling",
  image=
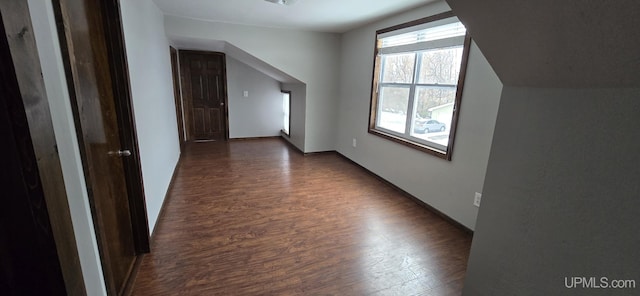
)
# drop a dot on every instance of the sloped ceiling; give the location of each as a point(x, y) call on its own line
point(557, 43)
point(335, 16)
point(190, 43)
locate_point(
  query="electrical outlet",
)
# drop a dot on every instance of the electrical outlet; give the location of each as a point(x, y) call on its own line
point(245, 93)
point(354, 143)
point(477, 199)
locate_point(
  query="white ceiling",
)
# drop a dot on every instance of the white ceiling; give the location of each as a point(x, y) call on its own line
point(313, 15)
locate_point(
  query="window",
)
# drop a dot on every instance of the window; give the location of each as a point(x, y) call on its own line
point(286, 111)
point(417, 83)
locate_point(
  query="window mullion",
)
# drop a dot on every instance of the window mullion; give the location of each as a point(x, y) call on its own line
point(382, 68)
point(412, 91)
point(407, 128)
point(416, 73)
point(380, 85)
point(434, 85)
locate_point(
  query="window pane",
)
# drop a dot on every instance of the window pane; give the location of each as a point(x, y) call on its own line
point(392, 108)
point(433, 114)
point(398, 68)
point(440, 66)
point(285, 111)
point(427, 34)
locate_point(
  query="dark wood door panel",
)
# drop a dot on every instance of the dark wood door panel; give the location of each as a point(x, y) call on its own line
point(197, 89)
point(199, 122)
point(213, 96)
point(214, 65)
point(204, 94)
point(98, 92)
point(216, 118)
point(114, 211)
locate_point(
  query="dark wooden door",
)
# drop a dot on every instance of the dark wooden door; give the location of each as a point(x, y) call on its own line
point(93, 53)
point(204, 90)
point(29, 262)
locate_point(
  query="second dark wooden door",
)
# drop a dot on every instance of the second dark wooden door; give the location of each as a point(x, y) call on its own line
point(204, 92)
point(90, 36)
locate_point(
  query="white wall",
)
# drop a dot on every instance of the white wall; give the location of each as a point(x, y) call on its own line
point(152, 96)
point(46, 36)
point(448, 186)
point(561, 194)
point(259, 114)
point(310, 57)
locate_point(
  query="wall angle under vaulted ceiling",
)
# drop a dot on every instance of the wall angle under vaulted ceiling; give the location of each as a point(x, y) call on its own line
point(189, 43)
point(549, 43)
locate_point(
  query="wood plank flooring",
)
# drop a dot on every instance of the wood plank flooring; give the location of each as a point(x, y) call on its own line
point(256, 217)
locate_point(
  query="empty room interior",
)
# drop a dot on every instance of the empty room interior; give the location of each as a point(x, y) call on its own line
point(299, 147)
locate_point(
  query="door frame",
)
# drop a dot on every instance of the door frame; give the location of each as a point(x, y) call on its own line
point(187, 100)
point(177, 95)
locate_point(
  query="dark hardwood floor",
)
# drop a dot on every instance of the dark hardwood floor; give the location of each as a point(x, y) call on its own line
point(256, 217)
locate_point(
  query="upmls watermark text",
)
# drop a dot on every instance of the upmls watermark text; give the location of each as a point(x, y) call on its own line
point(576, 282)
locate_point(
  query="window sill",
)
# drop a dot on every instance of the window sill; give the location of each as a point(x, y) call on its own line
point(415, 145)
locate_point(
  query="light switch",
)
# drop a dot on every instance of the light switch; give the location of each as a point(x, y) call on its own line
point(245, 93)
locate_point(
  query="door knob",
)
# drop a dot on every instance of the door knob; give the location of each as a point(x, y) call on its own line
point(221, 104)
point(120, 153)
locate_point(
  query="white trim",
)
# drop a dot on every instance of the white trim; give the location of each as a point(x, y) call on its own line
point(426, 45)
point(425, 26)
